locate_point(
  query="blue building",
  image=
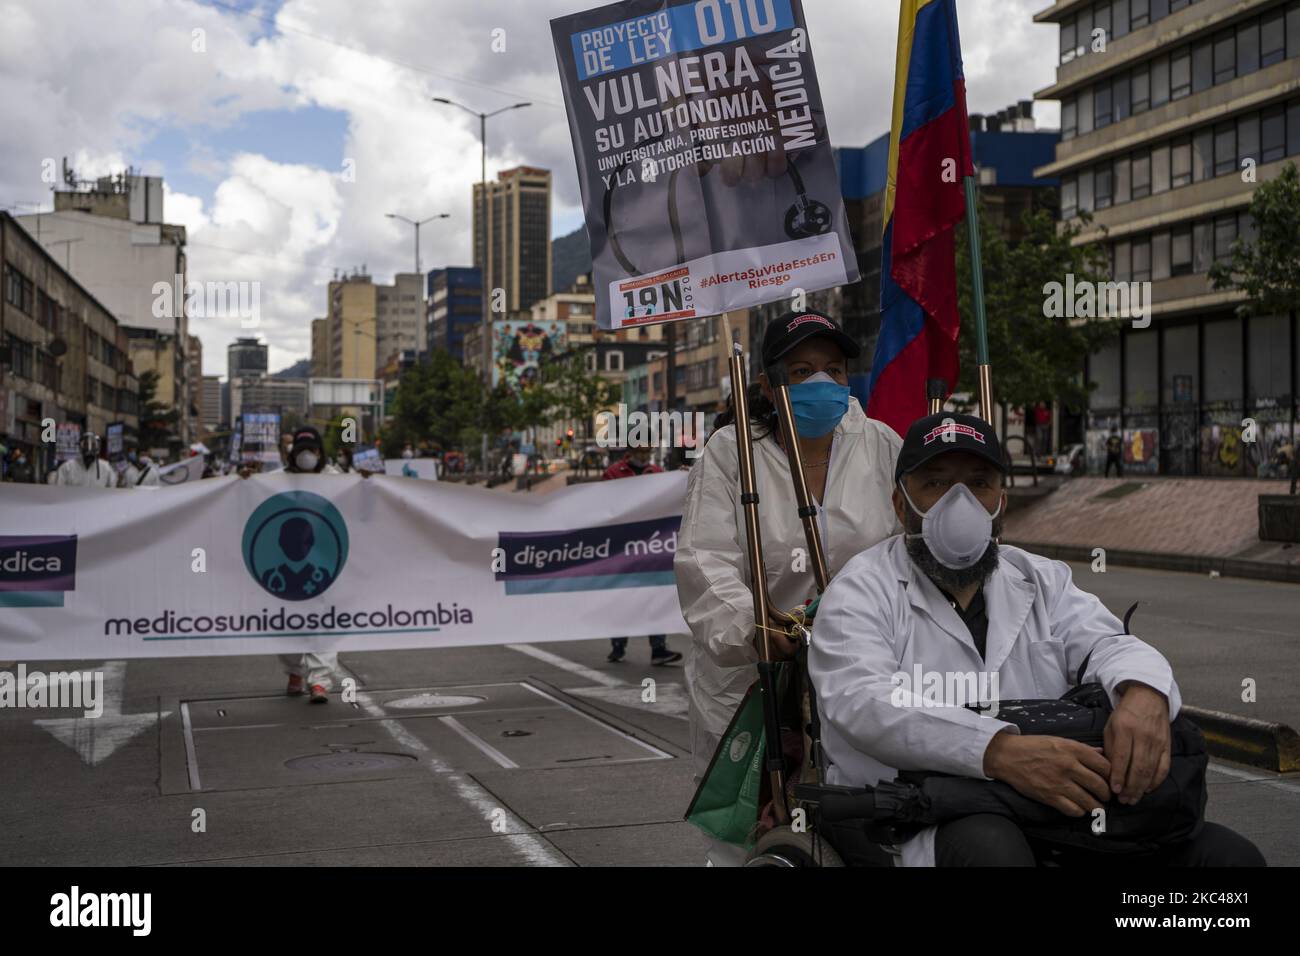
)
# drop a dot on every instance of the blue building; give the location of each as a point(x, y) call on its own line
point(453, 303)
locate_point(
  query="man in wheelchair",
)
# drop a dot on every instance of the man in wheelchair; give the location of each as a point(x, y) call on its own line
point(911, 626)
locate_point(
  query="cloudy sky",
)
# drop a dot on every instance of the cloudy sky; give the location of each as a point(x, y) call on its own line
point(254, 112)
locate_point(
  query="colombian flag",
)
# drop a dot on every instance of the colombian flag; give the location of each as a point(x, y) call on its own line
point(929, 153)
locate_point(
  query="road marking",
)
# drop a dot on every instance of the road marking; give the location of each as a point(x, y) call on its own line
point(534, 850)
point(96, 738)
point(662, 754)
point(555, 660)
point(191, 759)
point(1274, 782)
point(671, 700)
point(482, 745)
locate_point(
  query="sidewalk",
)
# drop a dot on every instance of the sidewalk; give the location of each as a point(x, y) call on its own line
point(1203, 525)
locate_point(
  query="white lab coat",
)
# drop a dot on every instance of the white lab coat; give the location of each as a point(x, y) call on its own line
point(74, 474)
point(881, 616)
point(712, 564)
point(131, 477)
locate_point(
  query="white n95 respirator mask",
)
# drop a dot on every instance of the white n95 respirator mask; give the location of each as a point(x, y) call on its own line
point(957, 529)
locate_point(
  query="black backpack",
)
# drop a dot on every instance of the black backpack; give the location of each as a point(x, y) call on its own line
point(1172, 813)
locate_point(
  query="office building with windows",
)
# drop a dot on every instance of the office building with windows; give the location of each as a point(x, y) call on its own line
point(516, 235)
point(453, 303)
point(1172, 113)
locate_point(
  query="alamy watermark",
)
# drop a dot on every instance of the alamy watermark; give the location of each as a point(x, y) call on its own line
point(208, 300)
point(80, 690)
point(1085, 300)
point(635, 429)
point(922, 688)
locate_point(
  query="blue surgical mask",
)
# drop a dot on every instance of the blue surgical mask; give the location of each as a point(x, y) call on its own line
point(819, 403)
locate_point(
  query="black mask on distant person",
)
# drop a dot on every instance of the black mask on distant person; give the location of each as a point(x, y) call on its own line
point(637, 466)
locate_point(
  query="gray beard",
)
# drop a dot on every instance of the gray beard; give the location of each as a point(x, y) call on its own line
point(951, 579)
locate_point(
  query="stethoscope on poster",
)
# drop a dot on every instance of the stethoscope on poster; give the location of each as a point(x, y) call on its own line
point(807, 217)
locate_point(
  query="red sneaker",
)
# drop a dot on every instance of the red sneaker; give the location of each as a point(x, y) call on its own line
point(296, 686)
point(319, 695)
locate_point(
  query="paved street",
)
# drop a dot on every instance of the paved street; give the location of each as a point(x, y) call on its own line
point(522, 755)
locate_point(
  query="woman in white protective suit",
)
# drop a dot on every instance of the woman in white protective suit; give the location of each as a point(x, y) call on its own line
point(849, 465)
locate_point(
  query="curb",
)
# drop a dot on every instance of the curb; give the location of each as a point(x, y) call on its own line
point(1259, 743)
point(1163, 561)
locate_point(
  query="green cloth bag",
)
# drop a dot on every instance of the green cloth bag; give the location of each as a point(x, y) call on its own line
point(725, 805)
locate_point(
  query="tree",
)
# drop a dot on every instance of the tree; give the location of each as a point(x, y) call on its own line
point(1267, 268)
point(440, 401)
point(156, 418)
point(1035, 357)
point(572, 392)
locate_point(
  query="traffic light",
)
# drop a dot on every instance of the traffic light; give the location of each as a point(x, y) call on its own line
point(570, 434)
point(559, 443)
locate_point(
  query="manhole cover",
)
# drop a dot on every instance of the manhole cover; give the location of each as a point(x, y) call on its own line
point(350, 762)
point(421, 701)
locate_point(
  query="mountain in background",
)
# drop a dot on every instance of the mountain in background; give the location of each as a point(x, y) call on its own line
point(299, 369)
point(570, 257)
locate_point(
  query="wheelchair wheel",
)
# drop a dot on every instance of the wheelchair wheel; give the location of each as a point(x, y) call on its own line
point(784, 847)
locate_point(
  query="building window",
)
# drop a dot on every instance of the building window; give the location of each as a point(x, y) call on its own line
point(1225, 57)
point(1141, 175)
point(1181, 365)
point(1247, 48)
point(1180, 163)
point(1101, 20)
point(1180, 251)
point(18, 290)
point(1085, 112)
point(1102, 187)
point(1159, 10)
point(591, 360)
point(1269, 365)
point(1069, 121)
point(1140, 87)
point(1069, 197)
point(1225, 148)
point(1140, 13)
point(1202, 246)
point(613, 361)
point(1123, 179)
point(1141, 271)
point(1272, 134)
point(1141, 369)
point(1202, 66)
point(1083, 31)
point(1159, 81)
point(1103, 372)
point(1120, 18)
point(1272, 38)
point(1085, 191)
point(1293, 130)
point(1122, 267)
point(1121, 107)
point(1223, 375)
point(1246, 230)
point(1247, 138)
point(1159, 169)
point(1203, 155)
point(1160, 268)
point(1067, 40)
point(1225, 231)
point(1180, 74)
point(1293, 29)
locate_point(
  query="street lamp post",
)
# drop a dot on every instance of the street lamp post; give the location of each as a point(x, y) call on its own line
point(417, 225)
point(483, 221)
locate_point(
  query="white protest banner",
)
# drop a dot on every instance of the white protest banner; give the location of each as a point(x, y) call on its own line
point(703, 157)
point(286, 563)
point(178, 472)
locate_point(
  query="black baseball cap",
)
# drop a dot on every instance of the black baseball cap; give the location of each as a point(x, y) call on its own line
point(786, 332)
point(948, 431)
point(306, 437)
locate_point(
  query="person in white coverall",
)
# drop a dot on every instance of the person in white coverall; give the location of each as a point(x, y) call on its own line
point(946, 606)
point(849, 464)
point(88, 471)
point(140, 473)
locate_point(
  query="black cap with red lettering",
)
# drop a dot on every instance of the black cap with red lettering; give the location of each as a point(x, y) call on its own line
point(783, 334)
point(945, 432)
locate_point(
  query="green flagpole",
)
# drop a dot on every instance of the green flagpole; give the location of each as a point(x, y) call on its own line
point(977, 293)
